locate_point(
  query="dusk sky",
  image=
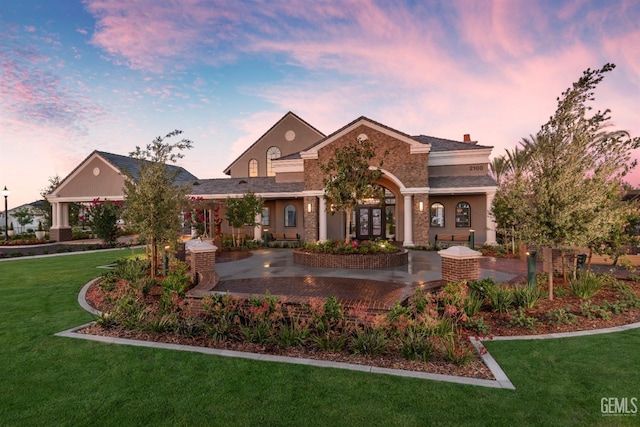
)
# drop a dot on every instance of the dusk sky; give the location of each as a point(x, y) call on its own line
point(76, 76)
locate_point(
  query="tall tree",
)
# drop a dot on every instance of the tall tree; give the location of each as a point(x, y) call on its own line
point(153, 198)
point(573, 174)
point(349, 178)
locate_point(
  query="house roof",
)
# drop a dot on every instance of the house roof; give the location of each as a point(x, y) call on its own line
point(442, 144)
point(227, 170)
point(132, 166)
point(233, 186)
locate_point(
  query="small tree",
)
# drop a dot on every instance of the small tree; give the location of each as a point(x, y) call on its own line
point(153, 199)
point(351, 179)
point(569, 187)
point(241, 212)
point(103, 218)
point(24, 216)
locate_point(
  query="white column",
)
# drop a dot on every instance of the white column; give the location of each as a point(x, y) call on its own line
point(491, 225)
point(64, 215)
point(257, 230)
point(54, 215)
point(322, 219)
point(408, 220)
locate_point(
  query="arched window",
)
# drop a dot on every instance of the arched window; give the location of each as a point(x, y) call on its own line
point(437, 215)
point(463, 215)
point(253, 167)
point(272, 154)
point(289, 216)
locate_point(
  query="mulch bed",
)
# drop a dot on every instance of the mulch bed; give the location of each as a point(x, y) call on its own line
point(475, 369)
point(498, 323)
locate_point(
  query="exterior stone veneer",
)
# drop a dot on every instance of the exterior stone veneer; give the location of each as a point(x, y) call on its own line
point(351, 261)
point(460, 263)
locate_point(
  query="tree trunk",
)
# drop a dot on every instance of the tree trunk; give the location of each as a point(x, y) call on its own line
point(154, 257)
point(589, 259)
point(551, 283)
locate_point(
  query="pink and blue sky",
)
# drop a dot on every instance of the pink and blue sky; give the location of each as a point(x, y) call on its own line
point(76, 76)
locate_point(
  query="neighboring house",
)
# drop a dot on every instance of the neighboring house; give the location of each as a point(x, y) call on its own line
point(432, 185)
point(37, 213)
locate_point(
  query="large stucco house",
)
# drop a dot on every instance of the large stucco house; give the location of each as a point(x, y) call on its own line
point(432, 185)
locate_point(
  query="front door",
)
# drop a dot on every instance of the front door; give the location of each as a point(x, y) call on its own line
point(370, 223)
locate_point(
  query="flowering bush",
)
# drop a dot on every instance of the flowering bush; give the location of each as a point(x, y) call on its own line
point(353, 247)
point(103, 217)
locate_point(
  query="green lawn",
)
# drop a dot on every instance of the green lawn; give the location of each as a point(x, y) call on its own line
point(48, 380)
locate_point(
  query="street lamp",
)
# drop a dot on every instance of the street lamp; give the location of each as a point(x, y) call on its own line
point(5, 193)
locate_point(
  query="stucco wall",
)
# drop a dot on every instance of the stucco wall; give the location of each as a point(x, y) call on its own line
point(304, 138)
point(86, 184)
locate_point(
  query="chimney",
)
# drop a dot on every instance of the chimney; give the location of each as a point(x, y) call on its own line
point(467, 137)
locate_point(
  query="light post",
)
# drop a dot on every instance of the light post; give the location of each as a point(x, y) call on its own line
point(531, 268)
point(5, 193)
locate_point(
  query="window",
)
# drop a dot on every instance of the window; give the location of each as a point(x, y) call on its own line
point(463, 215)
point(272, 154)
point(290, 216)
point(265, 216)
point(437, 215)
point(253, 167)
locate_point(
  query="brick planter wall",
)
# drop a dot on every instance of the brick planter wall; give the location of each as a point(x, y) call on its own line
point(351, 261)
point(460, 263)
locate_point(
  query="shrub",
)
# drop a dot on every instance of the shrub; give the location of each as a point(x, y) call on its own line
point(626, 293)
point(561, 316)
point(586, 285)
point(526, 296)
point(592, 311)
point(132, 270)
point(353, 247)
point(519, 318)
point(293, 332)
point(483, 286)
point(416, 344)
point(501, 298)
point(473, 303)
point(477, 325)
point(369, 341)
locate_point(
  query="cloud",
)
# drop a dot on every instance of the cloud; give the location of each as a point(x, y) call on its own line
point(34, 95)
point(156, 35)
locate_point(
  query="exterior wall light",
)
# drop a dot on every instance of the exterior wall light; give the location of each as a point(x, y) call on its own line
point(421, 206)
point(309, 207)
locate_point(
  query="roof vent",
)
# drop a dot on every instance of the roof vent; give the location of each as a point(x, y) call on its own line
point(242, 182)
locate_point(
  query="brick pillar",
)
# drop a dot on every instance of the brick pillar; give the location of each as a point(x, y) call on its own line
point(310, 219)
point(203, 262)
point(460, 263)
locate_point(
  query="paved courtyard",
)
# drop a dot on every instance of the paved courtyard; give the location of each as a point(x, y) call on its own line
point(273, 270)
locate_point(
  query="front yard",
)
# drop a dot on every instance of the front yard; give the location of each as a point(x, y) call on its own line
point(52, 380)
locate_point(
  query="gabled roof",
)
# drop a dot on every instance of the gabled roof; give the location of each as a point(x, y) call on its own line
point(416, 146)
point(132, 166)
point(223, 187)
point(227, 170)
point(442, 144)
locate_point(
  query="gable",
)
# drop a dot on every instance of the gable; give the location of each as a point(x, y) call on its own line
point(290, 135)
point(95, 177)
point(363, 124)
